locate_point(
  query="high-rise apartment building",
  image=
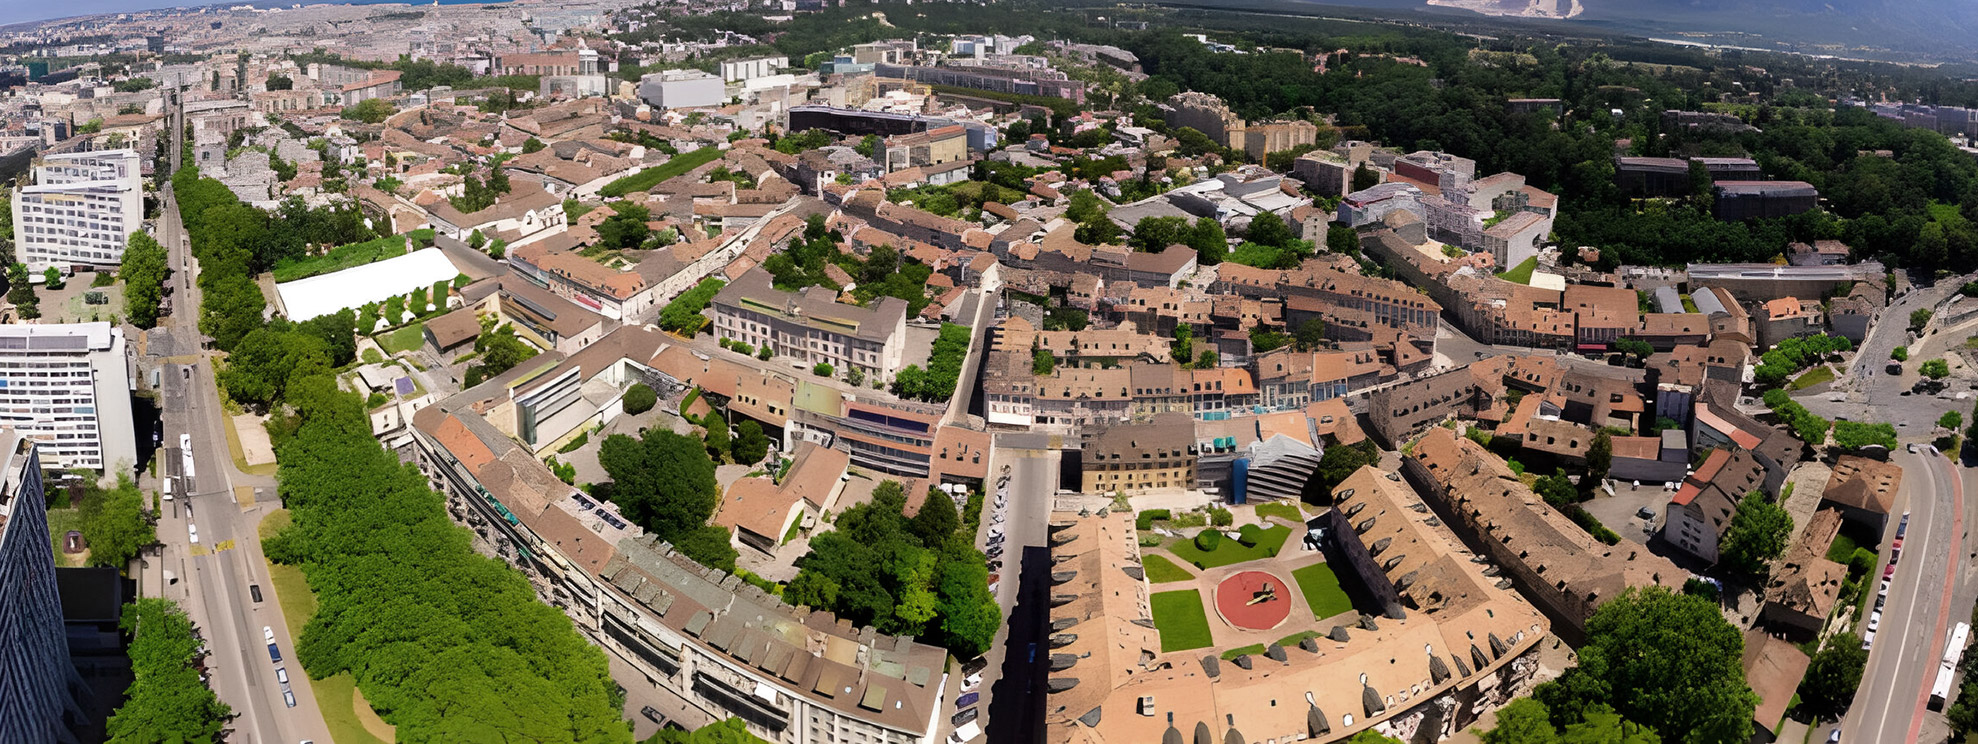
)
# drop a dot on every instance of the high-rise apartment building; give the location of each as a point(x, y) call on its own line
point(68, 387)
point(81, 209)
point(37, 681)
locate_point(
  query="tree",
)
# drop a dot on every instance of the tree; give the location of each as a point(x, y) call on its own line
point(1342, 239)
point(822, 369)
point(640, 398)
point(1365, 178)
point(1634, 347)
point(1523, 721)
point(1370, 736)
point(717, 434)
point(626, 228)
point(370, 111)
point(1208, 240)
point(1208, 359)
point(52, 277)
point(499, 348)
point(1901, 354)
point(709, 546)
point(1951, 420)
point(114, 524)
point(1832, 678)
point(166, 700)
point(725, 731)
point(1339, 463)
point(532, 146)
point(936, 521)
point(1268, 229)
point(1668, 661)
point(21, 293)
point(1604, 726)
point(1183, 348)
point(1191, 142)
point(1042, 363)
point(750, 444)
point(1919, 319)
point(259, 370)
point(1311, 334)
point(1600, 455)
point(1757, 534)
point(1935, 369)
point(683, 314)
point(280, 82)
point(143, 274)
point(868, 145)
point(1155, 234)
point(664, 482)
point(1854, 435)
point(1557, 490)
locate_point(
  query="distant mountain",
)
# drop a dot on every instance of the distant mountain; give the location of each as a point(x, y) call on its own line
point(1933, 27)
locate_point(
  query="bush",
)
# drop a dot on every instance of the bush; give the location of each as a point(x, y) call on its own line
point(1250, 535)
point(763, 353)
point(1145, 520)
point(1221, 517)
point(1209, 540)
point(822, 369)
point(640, 398)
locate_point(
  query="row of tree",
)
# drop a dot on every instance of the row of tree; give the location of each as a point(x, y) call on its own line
point(166, 700)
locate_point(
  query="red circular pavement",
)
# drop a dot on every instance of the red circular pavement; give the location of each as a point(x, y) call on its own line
point(1253, 600)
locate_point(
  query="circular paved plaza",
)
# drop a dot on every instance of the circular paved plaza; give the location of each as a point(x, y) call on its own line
point(1253, 600)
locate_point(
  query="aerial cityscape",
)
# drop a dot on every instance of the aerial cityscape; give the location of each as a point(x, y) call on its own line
point(807, 371)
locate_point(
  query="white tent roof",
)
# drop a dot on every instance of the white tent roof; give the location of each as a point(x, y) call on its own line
point(358, 285)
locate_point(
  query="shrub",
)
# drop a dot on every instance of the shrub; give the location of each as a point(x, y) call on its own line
point(1209, 540)
point(1221, 517)
point(763, 353)
point(1250, 535)
point(823, 369)
point(640, 398)
point(1145, 520)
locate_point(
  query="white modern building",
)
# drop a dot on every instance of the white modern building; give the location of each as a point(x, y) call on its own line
point(68, 388)
point(81, 209)
point(738, 70)
point(672, 89)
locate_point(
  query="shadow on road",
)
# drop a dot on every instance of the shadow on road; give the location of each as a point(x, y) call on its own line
point(1016, 705)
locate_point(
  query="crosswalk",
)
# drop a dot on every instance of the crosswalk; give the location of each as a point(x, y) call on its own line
point(199, 550)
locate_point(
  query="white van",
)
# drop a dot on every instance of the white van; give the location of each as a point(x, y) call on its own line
point(168, 489)
point(967, 733)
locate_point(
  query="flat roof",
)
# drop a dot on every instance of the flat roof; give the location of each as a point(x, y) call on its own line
point(356, 286)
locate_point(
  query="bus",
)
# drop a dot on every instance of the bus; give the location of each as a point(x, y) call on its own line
point(1953, 653)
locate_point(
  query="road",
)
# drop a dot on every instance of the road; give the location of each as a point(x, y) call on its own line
point(214, 582)
point(1903, 661)
point(1013, 683)
point(1870, 394)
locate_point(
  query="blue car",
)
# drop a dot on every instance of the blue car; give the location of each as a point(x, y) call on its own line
point(968, 699)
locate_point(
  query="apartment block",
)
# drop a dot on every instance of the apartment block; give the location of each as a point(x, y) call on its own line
point(68, 387)
point(38, 683)
point(81, 209)
point(812, 325)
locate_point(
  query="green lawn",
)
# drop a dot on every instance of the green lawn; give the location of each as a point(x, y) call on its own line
point(1522, 273)
point(646, 179)
point(1255, 649)
point(333, 693)
point(342, 257)
point(1298, 637)
point(1160, 570)
point(60, 521)
point(1181, 620)
point(1285, 511)
point(404, 339)
point(1322, 591)
point(1815, 376)
point(1233, 552)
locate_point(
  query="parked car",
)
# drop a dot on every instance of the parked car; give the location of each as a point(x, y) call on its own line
point(1874, 621)
point(267, 634)
point(281, 675)
point(653, 714)
point(1868, 640)
point(968, 699)
point(975, 665)
point(192, 532)
point(288, 696)
point(972, 681)
point(1645, 513)
point(964, 717)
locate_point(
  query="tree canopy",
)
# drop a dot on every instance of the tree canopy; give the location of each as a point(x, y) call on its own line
point(143, 274)
point(166, 700)
point(1757, 534)
point(1668, 661)
point(664, 482)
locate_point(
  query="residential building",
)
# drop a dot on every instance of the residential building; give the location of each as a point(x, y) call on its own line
point(68, 388)
point(701, 636)
point(1863, 490)
point(812, 326)
point(1398, 412)
point(1652, 176)
point(740, 70)
point(1558, 566)
point(760, 511)
point(39, 687)
point(528, 210)
point(81, 208)
point(1804, 586)
point(1141, 458)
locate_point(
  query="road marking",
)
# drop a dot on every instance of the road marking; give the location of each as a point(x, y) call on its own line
point(198, 550)
point(223, 545)
point(1944, 608)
